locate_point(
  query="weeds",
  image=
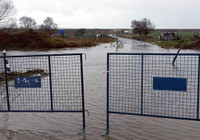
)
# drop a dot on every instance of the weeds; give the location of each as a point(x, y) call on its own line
point(11, 75)
point(36, 40)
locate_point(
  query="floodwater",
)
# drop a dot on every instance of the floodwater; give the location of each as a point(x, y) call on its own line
point(66, 126)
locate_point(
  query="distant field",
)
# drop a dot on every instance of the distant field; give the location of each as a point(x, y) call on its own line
point(182, 34)
point(187, 39)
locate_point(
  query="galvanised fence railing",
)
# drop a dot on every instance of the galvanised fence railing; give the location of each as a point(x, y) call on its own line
point(153, 84)
point(42, 83)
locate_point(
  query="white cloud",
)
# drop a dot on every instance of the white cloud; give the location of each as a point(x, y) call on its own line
point(112, 13)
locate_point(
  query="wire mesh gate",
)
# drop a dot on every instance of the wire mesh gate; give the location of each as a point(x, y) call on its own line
point(42, 83)
point(149, 85)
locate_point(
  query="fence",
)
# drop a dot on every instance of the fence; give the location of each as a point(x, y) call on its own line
point(42, 83)
point(79, 36)
point(150, 85)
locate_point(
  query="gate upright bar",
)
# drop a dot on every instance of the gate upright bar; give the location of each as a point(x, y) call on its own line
point(82, 88)
point(6, 80)
point(142, 63)
point(107, 105)
point(50, 83)
point(198, 89)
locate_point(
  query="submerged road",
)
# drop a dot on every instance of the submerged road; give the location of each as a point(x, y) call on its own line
point(62, 126)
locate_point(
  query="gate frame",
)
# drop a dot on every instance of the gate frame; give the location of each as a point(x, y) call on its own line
point(50, 85)
point(142, 64)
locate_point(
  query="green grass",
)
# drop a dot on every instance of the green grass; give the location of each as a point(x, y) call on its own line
point(174, 43)
point(187, 34)
point(187, 41)
point(166, 44)
point(155, 34)
point(182, 34)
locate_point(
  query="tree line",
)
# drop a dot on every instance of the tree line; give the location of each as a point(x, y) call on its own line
point(7, 11)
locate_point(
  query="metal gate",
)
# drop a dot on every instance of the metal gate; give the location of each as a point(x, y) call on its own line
point(150, 85)
point(42, 83)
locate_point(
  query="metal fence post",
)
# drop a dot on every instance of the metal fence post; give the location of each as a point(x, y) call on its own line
point(107, 100)
point(50, 82)
point(6, 80)
point(198, 88)
point(107, 93)
point(142, 63)
point(82, 88)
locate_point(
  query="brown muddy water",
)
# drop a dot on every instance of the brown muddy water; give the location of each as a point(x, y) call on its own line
point(66, 126)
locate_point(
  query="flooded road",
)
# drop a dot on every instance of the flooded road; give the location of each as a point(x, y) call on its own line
point(66, 126)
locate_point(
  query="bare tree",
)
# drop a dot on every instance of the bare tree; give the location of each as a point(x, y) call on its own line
point(27, 22)
point(147, 25)
point(144, 26)
point(49, 26)
point(7, 10)
point(11, 25)
point(137, 27)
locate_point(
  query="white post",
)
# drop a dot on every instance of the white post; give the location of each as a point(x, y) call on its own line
point(7, 65)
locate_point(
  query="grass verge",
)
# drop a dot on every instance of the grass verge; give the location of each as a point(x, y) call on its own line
point(187, 42)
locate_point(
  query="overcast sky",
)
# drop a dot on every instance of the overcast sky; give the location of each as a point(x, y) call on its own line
point(112, 13)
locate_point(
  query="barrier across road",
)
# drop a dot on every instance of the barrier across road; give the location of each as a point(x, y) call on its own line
point(152, 84)
point(42, 83)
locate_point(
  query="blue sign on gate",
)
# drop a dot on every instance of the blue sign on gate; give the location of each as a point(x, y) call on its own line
point(27, 82)
point(165, 83)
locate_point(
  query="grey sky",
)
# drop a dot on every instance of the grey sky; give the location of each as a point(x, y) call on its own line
point(112, 13)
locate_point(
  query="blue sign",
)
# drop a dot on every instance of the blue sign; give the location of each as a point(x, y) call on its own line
point(174, 84)
point(27, 82)
point(62, 32)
